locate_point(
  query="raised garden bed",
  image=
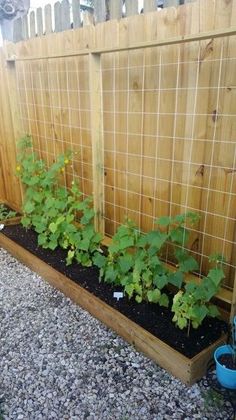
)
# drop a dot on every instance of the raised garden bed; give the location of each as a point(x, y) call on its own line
point(185, 358)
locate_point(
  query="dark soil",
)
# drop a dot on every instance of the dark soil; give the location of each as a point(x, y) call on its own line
point(155, 319)
point(227, 361)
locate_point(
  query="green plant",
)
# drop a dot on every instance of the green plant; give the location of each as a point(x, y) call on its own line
point(6, 213)
point(192, 305)
point(57, 213)
point(134, 259)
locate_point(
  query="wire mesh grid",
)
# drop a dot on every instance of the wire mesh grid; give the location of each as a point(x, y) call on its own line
point(169, 135)
point(55, 110)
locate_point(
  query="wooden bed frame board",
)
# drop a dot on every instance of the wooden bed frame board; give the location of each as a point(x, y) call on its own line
point(188, 370)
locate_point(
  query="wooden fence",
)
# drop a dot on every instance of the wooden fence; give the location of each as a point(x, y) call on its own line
point(148, 102)
point(65, 15)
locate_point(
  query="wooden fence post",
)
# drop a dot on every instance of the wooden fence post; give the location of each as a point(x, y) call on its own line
point(131, 7)
point(95, 81)
point(14, 120)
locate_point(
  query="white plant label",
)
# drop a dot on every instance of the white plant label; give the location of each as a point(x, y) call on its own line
point(118, 295)
point(1, 226)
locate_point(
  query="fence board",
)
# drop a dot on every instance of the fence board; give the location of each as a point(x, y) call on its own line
point(48, 18)
point(116, 9)
point(100, 10)
point(65, 15)
point(57, 16)
point(17, 30)
point(25, 29)
point(149, 6)
point(32, 25)
point(39, 18)
point(131, 7)
point(76, 13)
point(171, 3)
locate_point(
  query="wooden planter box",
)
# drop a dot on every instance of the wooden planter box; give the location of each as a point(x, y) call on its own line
point(188, 370)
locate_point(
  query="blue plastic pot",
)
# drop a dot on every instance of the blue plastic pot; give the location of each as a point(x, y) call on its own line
point(225, 376)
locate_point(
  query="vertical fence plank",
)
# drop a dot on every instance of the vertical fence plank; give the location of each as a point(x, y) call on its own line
point(32, 25)
point(131, 7)
point(25, 29)
point(149, 6)
point(100, 10)
point(116, 9)
point(65, 15)
point(95, 82)
point(17, 30)
point(57, 14)
point(76, 13)
point(170, 3)
point(48, 18)
point(39, 17)
point(87, 18)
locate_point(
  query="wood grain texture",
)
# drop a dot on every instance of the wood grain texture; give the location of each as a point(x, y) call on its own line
point(169, 144)
point(188, 370)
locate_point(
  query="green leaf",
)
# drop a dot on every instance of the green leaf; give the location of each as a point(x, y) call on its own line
point(138, 298)
point(156, 239)
point(29, 207)
point(164, 221)
point(70, 257)
point(125, 263)
point(213, 311)
point(176, 279)
point(199, 312)
point(164, 300)
point(99, 260)
point(160, 281)
point(129, 289)
point(26, 221)
point(182, 323)
point(52, 227)
point(179, 235)
point(154, 295)
point(216, 275)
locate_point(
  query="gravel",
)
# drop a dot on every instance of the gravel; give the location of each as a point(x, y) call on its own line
point(58, 362)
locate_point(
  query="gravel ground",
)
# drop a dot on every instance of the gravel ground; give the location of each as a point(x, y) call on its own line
point(58, 362)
